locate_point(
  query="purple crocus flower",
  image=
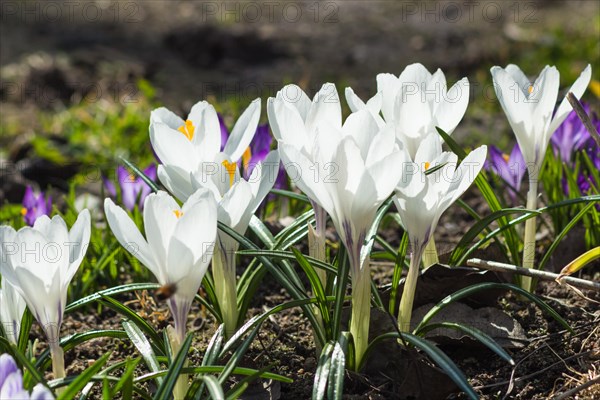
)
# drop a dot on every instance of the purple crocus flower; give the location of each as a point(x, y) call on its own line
point(572, 135)
point(133, 188)
point(35, 206)
point(511, 168)
point(11, 383)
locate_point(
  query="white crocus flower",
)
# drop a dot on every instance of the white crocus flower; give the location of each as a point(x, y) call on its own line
point(416, 102)
point(349, 172)
point(529, 108)
point(12, 307)
point(422, 198)
point(186, 147)
point(42, 260)
point(295, 120)
point(178, 245)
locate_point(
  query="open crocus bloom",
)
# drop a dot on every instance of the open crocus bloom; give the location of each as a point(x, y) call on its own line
point(572, 135)
point(529, 107)
point(40, 263)
point(416, 102)
point(178, 245)
point(12, 307)
point(185, 147)
point(422, 198)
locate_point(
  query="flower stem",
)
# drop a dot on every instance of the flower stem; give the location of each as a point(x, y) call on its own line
point(181, 386)
point(529, 238)
point(225, 289)
point(58, 364)
point(430, 255)
point(361, 310)
point(410, 285)
point(316, 241)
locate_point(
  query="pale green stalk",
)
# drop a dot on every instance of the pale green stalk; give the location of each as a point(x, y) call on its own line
point(223, 267)
point(529, 238)
point(361, 307)
point(410, 285)
point(317, 250)
point(181, 386)
point(58, 363)
point(430, 255)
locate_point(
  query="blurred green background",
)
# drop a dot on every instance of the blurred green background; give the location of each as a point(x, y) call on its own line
point(79, 79)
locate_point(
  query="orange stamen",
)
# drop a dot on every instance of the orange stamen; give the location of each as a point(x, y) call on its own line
point(178, 213)
point(187, 129)
point(230, 167)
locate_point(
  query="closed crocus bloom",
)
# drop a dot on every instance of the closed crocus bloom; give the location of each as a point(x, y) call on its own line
point(184, 147)
point(178, 244)
point(357, 168)
point(12, 307)
point(529, 108)
point(42, 260)
point(296, 121)
point(422, 198)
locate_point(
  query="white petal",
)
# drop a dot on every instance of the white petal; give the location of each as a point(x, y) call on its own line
point(453, 106)
point(167, 117)
point(519, 77)
point(243, 131)
point(129, 235)
point(176, 180)
point(207, 133)
point(565, 108)
point(326, 106)
point(172, 147)
point(79, 239)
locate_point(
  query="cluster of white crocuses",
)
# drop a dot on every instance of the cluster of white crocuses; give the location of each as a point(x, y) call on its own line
point(387, 147)
point(383, 148)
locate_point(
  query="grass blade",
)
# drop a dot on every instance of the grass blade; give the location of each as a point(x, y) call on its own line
point(83, 378)
point(141, 343)
point(165, 390)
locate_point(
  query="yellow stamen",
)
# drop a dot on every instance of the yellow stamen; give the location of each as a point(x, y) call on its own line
point(505, 157)
point(23, 211)
point(246, 157)
point(530, 90)
point(230, 167)
point(187, 129)
point(178, 213)
point(131, 178)
point(427, 165)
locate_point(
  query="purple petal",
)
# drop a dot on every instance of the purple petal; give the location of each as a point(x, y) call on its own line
point(7, 367)
point(224, 131)
point(29, 198)
point(110, 188)
point(128, 187)
point(143, 189)
point(41, 392)
point(12, 387)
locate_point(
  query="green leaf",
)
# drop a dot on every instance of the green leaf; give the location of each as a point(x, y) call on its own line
point(110, 292)
point(136, 319)
point(479, 227)
point(292, 195)
point(335, 383)
point(322, 373)
point(126, 382)
point(24, 330)
point(398, 266)
point(83, 378)
point(288, 255)
point(165, 390)
point(316, 285)
point(580, 262)
point(141, 343)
